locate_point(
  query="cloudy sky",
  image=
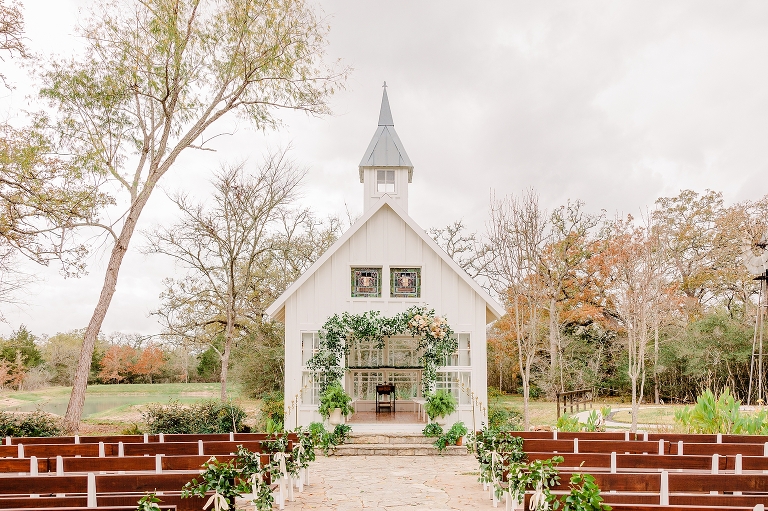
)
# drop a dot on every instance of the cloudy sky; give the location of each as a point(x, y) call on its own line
point(613, 103)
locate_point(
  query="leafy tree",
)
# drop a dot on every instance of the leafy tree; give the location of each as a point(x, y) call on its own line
point(150, 362)
point(61, 353)
point(24, 342)
point(118, 363)
point(153, 80)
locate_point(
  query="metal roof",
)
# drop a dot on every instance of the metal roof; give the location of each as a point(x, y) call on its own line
point(386, 149)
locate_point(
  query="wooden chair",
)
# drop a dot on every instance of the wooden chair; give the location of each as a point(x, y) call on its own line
point(388, 390)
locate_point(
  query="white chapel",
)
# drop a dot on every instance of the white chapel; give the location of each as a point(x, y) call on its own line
point(386, 262)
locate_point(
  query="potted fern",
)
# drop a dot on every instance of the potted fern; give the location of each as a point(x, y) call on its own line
point(439, 405)
point(335, 404)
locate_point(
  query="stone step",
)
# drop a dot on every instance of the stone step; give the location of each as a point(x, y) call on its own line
point(389, 438)
point(397, 450)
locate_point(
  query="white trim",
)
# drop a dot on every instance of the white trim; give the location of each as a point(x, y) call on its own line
point(491, 305)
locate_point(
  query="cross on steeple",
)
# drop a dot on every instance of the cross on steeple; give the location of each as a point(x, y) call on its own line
point(385, 85)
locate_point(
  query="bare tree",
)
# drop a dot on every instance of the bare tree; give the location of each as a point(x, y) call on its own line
point(221, 244)
point(464, 247)
point(633, 266)
point(154, 79)
point(516, 239)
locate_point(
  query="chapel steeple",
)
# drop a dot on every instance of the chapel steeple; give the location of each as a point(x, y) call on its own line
point(385, 168)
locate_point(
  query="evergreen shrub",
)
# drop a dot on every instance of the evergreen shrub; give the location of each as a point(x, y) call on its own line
point(208, 416)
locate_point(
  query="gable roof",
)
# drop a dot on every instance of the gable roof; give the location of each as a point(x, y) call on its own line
point(276, 310)
point(386, 149)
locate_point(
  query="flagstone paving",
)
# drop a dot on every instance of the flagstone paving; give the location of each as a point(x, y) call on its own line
point(393, 483)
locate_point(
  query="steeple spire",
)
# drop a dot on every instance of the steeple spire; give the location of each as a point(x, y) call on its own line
point(385, 169)
point(385, 116)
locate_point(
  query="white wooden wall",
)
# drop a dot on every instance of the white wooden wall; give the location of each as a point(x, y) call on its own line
point(386, 241)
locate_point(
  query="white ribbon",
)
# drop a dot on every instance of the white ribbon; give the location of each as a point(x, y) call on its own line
point(495, 458)
point(280, 458)
point(538, 499)
point(219, 502)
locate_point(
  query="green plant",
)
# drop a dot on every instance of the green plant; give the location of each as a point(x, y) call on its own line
point(210, 416)
point(271, 427)
point(433, 429)
point(338, 436)
point(316, 431)
point(272, 407)
point(501, 418)
point(584, 495)
point(132, 430)
point(541, 475)
point(710, 414)
point(594, 422)
point(33, 424)
point(567, 423)
point(440, 404)
point(148, 503)
point(221, 478)
point(451, 437)
point(335, 397)
point(304, 450)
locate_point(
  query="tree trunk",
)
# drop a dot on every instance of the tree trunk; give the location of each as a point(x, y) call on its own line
point(77, 399)
point(553, 345)
point(525, 383)
point(228, 337)
point(656, 363)
point(635, 407)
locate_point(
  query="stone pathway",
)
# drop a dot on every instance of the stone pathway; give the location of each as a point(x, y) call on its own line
point(392, 483)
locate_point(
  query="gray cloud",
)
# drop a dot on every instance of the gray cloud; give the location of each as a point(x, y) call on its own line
point(614, 103)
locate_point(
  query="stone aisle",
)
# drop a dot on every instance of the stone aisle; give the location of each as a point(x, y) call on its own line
point(393, 483)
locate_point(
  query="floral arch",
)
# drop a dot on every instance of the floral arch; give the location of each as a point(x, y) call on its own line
point(436, 340)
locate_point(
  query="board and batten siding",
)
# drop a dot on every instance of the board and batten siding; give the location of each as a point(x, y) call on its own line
point(385, 240)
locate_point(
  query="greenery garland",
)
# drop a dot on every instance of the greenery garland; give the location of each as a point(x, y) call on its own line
point(436, 340)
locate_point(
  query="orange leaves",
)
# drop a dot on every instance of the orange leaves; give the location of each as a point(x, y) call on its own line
point(122, 362)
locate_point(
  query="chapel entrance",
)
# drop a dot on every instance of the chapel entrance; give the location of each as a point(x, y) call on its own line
point(396, 364)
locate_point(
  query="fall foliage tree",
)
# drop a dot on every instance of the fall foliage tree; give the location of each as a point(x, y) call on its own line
point(150, 362)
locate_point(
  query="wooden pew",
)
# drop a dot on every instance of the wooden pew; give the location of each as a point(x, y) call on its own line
point(634, 462)
point(139, 463)
point(162, 507)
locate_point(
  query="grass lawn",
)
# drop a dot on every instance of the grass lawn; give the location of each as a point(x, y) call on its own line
point(544, 413)
point(649, 415)
point(114, 408)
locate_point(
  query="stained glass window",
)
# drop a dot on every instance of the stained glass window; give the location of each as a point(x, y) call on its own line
point(366, 282)
point(405, 282)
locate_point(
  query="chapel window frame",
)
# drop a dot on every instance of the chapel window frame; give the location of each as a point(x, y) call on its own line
point(397, 272)
point(361, 289)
